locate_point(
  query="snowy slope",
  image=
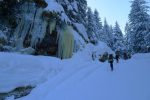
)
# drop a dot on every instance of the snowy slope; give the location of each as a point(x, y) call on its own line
point(80, 78)
point(129, 81)
point(22, 70)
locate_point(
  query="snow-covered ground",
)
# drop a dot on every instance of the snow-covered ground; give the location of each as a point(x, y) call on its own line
point(22, 70)
point(78, 78)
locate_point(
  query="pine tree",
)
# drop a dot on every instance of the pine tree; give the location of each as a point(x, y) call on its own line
point(67, 7)
point(98, 19)
point(111, 29)
point(105, 31)
point(139, 24)
point(75, 9)
point(82, 8)
point(111, 36)
point(128, 38)
point(147, 41)
point(118, 38)
point(107, 36)
point(91, 26)
point(98, 24)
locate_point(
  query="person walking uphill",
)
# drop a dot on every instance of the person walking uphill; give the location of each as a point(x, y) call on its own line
point(117, 56)
point(111, 60)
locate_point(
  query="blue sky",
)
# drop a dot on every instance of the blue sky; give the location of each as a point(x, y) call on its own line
point(113, 10)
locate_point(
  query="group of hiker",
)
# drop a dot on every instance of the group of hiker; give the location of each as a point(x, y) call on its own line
point(111, 57)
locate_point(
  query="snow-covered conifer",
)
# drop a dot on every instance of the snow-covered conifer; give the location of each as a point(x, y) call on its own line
point(98, 24)
point(107, 36)
point(91, 26)
point(118, 38)
point(139, 24)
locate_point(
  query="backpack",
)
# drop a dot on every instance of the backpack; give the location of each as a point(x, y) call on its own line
point(110, 58)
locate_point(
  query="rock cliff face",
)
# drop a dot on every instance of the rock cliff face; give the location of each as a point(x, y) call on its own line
point(42, 23)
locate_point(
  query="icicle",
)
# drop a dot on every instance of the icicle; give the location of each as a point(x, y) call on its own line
point(24, 25)
point(19, 44)
point(52, 25)
point(31, 24)
point(38, 32)
point(65, 43)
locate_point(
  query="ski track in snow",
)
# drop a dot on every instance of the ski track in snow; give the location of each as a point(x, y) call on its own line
point(122, 83)
point(55, 82)
point(88, 72)
point(78, 78)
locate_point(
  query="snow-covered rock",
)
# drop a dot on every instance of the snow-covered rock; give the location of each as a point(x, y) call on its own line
point(53, 7)
point(82, 31)
point(29, 50)
point(22, 70)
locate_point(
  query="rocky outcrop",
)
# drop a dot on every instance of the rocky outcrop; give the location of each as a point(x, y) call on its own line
point(17, 93)
point(39, 26)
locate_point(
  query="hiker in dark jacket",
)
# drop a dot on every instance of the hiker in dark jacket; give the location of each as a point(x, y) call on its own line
point(111, 60)
point(125, 56)
point(117, 56)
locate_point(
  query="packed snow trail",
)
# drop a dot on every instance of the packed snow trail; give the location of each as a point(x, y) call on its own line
point(18, 70)
point(129, 81)
point(78, 78)
point(69, 73)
